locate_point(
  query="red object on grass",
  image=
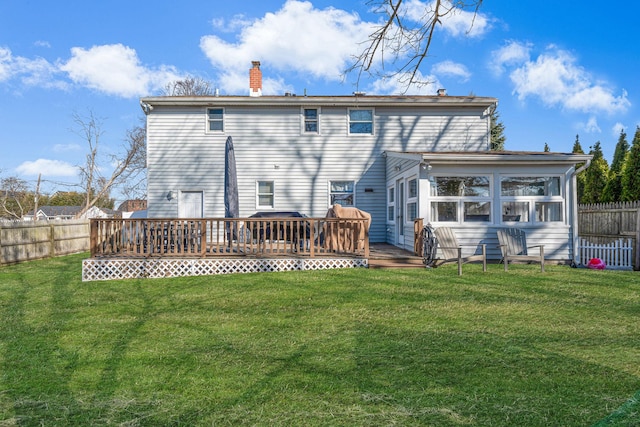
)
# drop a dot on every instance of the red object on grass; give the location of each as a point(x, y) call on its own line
point(596, 264)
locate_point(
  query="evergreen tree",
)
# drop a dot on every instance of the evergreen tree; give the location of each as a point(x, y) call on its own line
point(596, 175)
point(631, 171)
point(613, 189)
point(577, 149)
point(546, 148)
point(498, 138)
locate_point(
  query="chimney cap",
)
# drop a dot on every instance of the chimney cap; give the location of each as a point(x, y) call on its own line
point(256, 64)
point(442, 92)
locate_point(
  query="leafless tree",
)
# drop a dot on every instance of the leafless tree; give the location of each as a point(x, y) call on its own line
point(402, 40)
point(135, 177)
point(125, 165)
point(188, 86)
point(15, 198)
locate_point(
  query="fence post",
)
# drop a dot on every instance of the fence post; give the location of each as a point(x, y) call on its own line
point(636, 262)
point(52, 240)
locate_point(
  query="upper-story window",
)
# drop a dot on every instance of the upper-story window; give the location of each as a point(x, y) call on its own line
point(215, 119)
point(342, 193)
point(311, 120)
point(524, 198)
point(456, 198)
point(361, 121)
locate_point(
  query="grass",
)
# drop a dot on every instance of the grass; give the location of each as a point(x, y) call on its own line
point(340, 348)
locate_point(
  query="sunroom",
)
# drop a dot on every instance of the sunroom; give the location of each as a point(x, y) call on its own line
point(477, 193)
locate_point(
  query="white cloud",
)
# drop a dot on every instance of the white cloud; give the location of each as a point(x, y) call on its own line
point(450, 68)
point(591, 126)
point(512, 54)
point(32, 72)
point(6, 61)
point(557, 80)
point(47, 167)
point(61, 148)
point(116, 70)
point(397, 85)
point(616, 129)
point(312, 42)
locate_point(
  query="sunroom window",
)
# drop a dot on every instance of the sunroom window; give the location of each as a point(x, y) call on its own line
point(527, 198)
point(460, 198)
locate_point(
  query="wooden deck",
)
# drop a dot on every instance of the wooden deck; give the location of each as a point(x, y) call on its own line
point(384, 255)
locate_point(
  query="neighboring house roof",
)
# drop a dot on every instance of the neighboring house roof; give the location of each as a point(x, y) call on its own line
point(67, 212)
point(139, 214)
point(132, 205)
point(57, 211)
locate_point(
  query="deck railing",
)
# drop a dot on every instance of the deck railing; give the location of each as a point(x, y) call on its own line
point(229, 237)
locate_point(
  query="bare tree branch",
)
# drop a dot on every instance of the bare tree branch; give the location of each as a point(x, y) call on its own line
point(125, 165)
point(188, 86)
point(402, 40)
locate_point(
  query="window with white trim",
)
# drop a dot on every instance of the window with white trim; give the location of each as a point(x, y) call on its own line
point(391, 204)
point(531, 198)
point(311, 120)
point(342, 193)
point(265, 192)
point(361, 121)
point(460, 198)
point(412, 199)
point(215, 119)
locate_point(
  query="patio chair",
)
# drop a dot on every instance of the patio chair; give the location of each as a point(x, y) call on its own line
point(450, 250)
point(513, 245)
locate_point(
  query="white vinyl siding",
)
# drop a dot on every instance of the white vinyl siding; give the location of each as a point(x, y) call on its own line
point(181, 155)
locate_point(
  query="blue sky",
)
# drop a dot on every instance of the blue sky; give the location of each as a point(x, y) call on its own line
point(558, 68)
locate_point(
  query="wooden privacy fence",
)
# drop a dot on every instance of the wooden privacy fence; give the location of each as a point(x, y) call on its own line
point(229, 237)
point(605, 223)
point(28, 240)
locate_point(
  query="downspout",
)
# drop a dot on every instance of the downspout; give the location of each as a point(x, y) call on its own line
point(574, 221)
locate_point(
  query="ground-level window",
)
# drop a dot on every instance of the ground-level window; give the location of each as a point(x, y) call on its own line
point(361, 121)
point(265, 194)
point(460, 198)
point(215, 119)
point(311, 120)
point(527, 198)
point(342, 193)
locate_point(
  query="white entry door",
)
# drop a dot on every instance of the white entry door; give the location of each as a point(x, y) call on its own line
point(190, 204)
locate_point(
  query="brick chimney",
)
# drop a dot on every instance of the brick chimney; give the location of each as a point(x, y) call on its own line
point(255, 79)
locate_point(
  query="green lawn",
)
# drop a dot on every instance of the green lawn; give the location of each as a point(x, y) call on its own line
point(328, 348)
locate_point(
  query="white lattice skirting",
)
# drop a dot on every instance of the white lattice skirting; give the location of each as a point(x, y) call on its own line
point(115, 268)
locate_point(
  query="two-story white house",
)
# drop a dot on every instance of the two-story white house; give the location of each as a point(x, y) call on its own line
point(396, 157)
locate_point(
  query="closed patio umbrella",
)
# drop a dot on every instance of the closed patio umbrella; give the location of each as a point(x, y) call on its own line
point(231, 204)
